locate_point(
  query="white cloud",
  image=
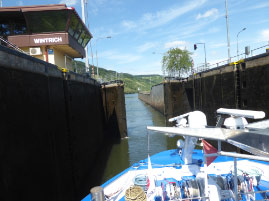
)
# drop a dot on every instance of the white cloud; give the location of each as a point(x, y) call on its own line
point(259, 6)
point(119, 57)
point(264, 35)
point(255, 6)
point(222, 44)
point(20, 3)
point(210, 13)
point(152, 20)
point(146, 46)
point(128, 24)
point(96, 5)
point(218, 45)
point(179, 44)
point(146, 68)
point(69, 2)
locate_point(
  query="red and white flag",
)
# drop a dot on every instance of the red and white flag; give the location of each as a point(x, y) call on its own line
point(209, 149)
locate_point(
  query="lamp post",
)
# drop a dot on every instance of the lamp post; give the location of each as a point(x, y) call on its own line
point(96, 52)
point(228, 34)
point(237, 42)
point(86, 48)
point(195, 47)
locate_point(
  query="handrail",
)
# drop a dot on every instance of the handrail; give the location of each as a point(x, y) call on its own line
point(9, 44)
point(217, 64)
point(235, 156)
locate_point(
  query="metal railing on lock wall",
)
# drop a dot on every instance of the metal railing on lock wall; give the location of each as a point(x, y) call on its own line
point(209, 66)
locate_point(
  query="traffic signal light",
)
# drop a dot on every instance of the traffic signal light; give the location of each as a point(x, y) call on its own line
point(195, 46)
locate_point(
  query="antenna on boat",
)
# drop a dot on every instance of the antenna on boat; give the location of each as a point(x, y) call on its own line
point(148, 140)
point(228, 34)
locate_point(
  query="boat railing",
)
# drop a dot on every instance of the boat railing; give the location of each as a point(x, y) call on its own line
point(265, 197)
point(235, 156)
point(260, 192)
point(194, 198)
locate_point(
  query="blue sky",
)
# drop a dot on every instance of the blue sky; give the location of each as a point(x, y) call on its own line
point(140, 27)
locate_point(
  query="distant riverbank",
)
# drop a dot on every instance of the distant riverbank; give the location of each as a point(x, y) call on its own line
point(132, 83)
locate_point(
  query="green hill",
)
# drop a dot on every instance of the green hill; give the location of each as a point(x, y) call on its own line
point(132, 83)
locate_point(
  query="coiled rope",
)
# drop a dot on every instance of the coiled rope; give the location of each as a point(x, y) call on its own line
point(135, 193)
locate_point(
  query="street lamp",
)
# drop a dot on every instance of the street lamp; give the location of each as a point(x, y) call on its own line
point(96, 52)
point(228, 33)
point(86, 48)
point(195, 47)
point(237, 42)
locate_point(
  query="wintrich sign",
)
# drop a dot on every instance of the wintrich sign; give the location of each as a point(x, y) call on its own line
point(48, 40)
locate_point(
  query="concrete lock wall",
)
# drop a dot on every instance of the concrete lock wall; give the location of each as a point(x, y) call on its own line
point(254, 83)
point(114, 107)
point(52, 130)
point(155, 98)
point(213, 89)
point(177, 99)
point(244, 86)
point(169, 98)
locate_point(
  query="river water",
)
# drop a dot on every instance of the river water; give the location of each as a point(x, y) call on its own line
point(135, 148)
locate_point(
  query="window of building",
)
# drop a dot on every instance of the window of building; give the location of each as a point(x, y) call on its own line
point(86, 40)
point(78, 31)
point(12, 28)
point(19, 28)
point(4, 29)
point(73, 24)
point(47, 21)
point(82, 36)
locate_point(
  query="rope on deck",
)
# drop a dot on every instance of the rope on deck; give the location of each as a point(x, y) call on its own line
point(135, 193)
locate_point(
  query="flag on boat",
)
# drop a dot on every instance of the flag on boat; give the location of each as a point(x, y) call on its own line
point(150, 181)
point(209, 149)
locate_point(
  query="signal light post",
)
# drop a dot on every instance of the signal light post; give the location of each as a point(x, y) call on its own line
point(195, 47)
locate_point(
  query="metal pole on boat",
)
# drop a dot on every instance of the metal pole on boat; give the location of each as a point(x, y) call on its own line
point(235, 180)
point(98, 193)
point(206, 179)
point(219, 145)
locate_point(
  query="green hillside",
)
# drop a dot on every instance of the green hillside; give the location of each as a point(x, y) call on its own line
point(132, 83)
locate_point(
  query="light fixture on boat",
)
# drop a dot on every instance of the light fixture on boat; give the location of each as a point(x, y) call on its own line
point(180, 144)
point(235, 122)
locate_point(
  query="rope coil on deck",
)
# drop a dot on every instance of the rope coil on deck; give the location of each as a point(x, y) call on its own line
point(135, 193)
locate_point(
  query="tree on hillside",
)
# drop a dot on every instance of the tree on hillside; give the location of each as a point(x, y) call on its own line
point(176, 62)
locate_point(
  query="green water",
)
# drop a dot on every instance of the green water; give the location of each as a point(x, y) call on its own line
point(135, 147)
